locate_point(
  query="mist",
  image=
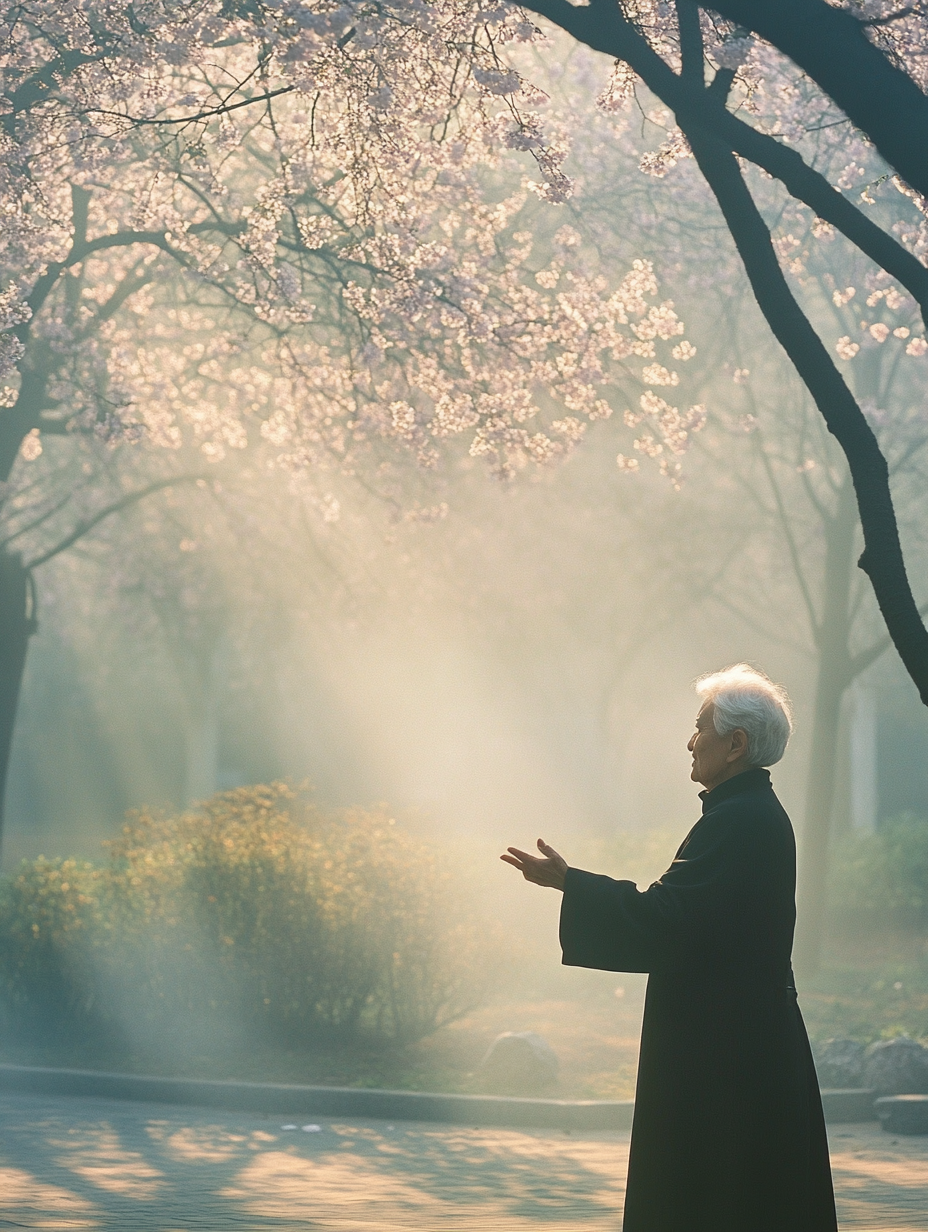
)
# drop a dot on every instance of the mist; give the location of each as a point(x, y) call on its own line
point(481, 661)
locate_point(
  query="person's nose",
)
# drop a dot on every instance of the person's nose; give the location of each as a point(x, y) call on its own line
point(692, 743)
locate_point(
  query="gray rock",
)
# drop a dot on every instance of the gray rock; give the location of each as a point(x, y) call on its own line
point(896, 1067)
point(519, 1062)
point(839, 1063)
point(903, 1114)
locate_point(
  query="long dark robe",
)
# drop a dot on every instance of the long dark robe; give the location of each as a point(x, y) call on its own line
point(728, 1132)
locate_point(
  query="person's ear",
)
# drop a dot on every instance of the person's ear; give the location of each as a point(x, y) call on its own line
point(739, 745)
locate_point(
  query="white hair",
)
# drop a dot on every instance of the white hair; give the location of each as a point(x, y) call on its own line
point(748, 699)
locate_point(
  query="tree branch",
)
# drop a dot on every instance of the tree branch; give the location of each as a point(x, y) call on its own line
point(132, 282)
point(80, 250)
point(750, 619)
point(35, 89)
point(704, 108)
point(691, 45)
point(222, 109)
point(34, 525)
point(865, 658)
point(131, 498)
point(830, 44)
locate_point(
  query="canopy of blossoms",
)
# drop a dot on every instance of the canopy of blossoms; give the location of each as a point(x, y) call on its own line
point(304, 224)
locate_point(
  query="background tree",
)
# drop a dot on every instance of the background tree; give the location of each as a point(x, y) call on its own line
point(670, 53)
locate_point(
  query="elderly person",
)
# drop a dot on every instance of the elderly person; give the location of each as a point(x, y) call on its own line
point(728, 1133)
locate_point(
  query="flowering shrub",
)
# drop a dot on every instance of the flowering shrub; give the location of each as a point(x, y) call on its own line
point(258, 909)
point(50, 919)
point(882, 878)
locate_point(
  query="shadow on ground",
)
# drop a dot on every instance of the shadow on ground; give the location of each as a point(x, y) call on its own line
point(85, 1163)
point(102, 1164)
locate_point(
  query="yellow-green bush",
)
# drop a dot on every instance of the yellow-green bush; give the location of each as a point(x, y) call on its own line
point(259, 910)
point(881, 878)
point(50, 923)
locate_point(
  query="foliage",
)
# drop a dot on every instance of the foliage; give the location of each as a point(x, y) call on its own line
point(869, 988)
point(882, 878)
point(258, 909)
point(50, 918)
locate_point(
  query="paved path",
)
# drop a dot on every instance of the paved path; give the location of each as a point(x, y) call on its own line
point(124, 1167)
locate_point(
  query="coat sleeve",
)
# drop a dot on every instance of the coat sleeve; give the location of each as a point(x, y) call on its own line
point(600, 925)
point(614, 926)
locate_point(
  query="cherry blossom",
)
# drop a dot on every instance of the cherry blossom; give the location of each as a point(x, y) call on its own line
point(287, 217)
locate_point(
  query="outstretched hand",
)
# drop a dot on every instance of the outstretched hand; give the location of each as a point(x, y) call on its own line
point(547, 870)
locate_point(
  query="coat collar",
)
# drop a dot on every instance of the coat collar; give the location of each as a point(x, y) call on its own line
point(755, 779)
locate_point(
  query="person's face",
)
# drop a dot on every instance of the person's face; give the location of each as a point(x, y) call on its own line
point(715, 757)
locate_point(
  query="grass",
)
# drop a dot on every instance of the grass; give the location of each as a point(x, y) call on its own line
point(870, 987)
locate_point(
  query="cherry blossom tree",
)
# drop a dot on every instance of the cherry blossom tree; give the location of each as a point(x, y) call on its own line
point(671, 50)
point(300, 230)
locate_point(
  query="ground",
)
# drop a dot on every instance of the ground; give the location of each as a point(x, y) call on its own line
point(114, 1166)
point(593, 1031)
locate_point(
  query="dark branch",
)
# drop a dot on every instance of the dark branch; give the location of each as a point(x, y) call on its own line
point(88, 524)
point(602, 27)
point(691, 44)
point(866, 658)
point(831, 45)
point(882, 559)
point(222, 109)
point(874, 22)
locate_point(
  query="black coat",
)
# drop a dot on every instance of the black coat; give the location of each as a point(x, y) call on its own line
point(728, 1134)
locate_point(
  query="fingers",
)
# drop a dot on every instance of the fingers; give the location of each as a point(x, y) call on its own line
point(521, 855)
point(531, 868)
point(549, 851)
point(545, 870)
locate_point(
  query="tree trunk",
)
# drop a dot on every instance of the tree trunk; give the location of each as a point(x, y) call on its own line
point(834, 676)
point(820, 801)
point(17, 624)
point(882, 559)
point(202, 750)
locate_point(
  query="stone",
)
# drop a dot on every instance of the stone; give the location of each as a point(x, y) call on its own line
point(519, 1062)
point(903, 1114)
point(896, 1067)
point(839, 1063)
